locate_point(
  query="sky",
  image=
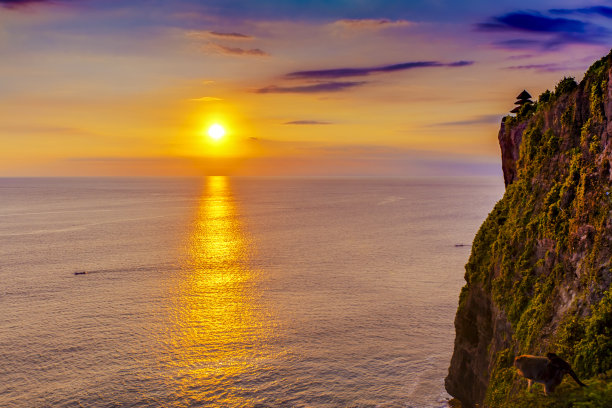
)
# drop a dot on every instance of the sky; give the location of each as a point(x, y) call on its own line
point(302, 88)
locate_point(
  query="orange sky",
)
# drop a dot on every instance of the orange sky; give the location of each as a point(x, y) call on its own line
point(98, 88)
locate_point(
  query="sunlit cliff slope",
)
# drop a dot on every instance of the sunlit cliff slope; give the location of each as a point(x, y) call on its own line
point(539, 275)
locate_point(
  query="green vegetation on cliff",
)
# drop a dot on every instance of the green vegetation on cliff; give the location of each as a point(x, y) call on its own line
point(544, 253)
point(597, 394)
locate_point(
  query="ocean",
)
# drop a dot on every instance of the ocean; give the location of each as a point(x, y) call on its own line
point(232, 292)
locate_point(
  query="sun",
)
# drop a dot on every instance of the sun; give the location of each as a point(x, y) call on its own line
point(216, 131)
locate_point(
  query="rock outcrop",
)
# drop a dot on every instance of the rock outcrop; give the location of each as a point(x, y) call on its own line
point(538, 278)
point(510, 141)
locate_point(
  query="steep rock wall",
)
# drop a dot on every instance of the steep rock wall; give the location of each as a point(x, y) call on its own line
point(538, 278)
point(510, 142)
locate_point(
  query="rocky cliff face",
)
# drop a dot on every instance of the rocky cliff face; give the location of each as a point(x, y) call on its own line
point(539, 275)
point(510, 142)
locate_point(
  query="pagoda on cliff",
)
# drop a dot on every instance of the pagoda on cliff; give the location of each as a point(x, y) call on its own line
point(522, 99)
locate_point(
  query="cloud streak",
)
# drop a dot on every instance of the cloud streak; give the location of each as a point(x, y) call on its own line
point(328, 80)
point(539, 31)
point(371, 24)
point(538, 67)
point(230, 36)
point(333, 86)
point(237, 51)
point(595, 10)
point(479, 120)
point(46, 130)
point(533, 22)
point(206, 99)
point(13, 4)
point(306, 122)
point(353, 72)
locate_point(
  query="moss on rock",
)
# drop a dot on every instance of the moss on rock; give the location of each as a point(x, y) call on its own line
point(544, 252)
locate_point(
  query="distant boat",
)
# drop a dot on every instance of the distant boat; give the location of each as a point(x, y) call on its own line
point(462, 245)
point(80, 273)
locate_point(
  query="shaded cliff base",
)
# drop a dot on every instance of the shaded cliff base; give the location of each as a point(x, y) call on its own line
point(597, 394)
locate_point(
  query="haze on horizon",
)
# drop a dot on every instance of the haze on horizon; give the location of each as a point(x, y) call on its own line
point(99, 88)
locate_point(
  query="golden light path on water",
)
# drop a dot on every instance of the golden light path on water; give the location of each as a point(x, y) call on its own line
point(221, 335)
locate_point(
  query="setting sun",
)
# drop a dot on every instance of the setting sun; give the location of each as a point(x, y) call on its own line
point(216, 131)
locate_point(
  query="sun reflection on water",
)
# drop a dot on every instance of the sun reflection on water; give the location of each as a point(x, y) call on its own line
point(222, 332)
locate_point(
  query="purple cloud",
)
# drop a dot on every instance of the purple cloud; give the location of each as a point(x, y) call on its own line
point(306, 122)
point(553, 43)
point(222, 49)
point(20, 3)
point(351, 72)
point(230, 36)
point(315, 88)
point(483, 119)
point(520, 43)
point(533, 22)
point(550, 32)
point(597, 10)
point(371, 24)
point(538, 67)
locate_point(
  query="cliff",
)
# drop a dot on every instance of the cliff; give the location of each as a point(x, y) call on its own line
point(538, 278)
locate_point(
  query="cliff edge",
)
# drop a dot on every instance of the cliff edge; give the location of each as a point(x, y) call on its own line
point(538, 278)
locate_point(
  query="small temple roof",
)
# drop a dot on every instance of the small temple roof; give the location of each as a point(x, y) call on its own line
point(524, 95)
point(516, 109)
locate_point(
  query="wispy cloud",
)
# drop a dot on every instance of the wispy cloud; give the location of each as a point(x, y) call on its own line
point(306, 122)
point(206, 99)
point(533, 22)
point(46, 130)
point(352, 72)
point(520, 44)
point(210, 46)
point(205, 34)
point(538, 67)
point(594, 10)
point(20, 3)
point(230, 36)
point(539, 31)
point(325, 80)
point(478, 120)
point(237, 51)
point(334, 86)
point(520, 56)
point(371, 24)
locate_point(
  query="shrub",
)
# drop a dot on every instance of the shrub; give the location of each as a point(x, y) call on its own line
point(545, 96)
point(566, 85)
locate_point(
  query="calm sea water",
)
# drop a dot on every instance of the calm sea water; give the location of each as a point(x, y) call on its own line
point(232, 292)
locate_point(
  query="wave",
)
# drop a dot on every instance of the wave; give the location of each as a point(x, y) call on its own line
point(80, 227)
